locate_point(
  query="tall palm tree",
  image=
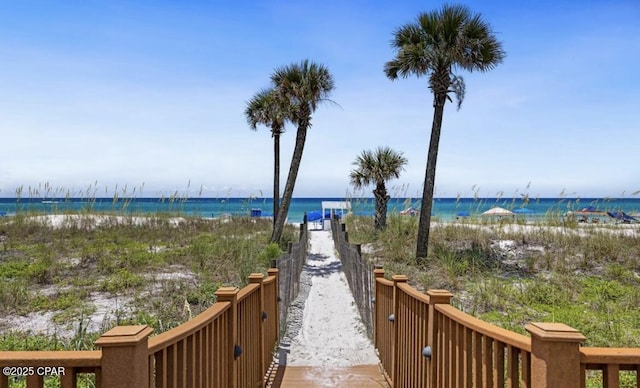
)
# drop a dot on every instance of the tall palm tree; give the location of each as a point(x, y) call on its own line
point(377, 167)
point(438, 44)
point(268, 108)
point(305, 85)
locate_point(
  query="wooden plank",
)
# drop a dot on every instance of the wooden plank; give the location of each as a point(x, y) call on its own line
point(69, 379)
point(513, 367)
point(611, 376)
point(363, 376)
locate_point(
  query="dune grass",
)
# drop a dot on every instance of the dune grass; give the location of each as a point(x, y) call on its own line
point(583, 276)
point(154, 272)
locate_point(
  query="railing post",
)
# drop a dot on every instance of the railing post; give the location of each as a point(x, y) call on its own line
point(555, 355)
point(435, 297)
point(378, 273)
point(345, 234)
point(125, 356)
point(396, 308)
point(275, 273)
point(258, 278)
point(230, 294)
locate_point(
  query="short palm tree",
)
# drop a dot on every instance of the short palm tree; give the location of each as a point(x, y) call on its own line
point(437, 45)
point(377, 167)
point(305, 86)
point(267, 108)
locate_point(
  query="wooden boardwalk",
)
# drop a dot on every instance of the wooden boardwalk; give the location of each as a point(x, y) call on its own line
point(360, 376)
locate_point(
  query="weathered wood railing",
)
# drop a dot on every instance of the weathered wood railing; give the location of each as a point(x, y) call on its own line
point(423, 341)
point(359, 272)
point(290, 266)
point(229, 345)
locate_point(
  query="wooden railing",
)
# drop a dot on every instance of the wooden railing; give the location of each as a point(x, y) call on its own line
point(359, 272)
point(229, 345)
point(66, 364)
point(423, 341)
point(290, 266)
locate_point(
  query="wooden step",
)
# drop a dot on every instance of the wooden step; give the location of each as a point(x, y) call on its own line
point(360, 376)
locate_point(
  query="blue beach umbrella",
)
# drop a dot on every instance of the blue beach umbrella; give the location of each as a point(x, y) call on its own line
point(463, 213)
point(314, 215)
point(622, 216)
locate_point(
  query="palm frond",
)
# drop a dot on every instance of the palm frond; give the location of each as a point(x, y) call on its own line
point(267, 108)
point(377, 166)
point(305, 84)
point(439, 42)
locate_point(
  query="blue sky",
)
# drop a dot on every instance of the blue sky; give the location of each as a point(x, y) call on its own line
point(151, 94)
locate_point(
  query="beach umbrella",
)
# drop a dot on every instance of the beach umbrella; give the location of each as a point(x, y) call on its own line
point(463, 213)
point(622, 216)
point(314, 215)
point(497, 211)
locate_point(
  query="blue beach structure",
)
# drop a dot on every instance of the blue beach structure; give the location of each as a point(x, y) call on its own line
point(622, 217)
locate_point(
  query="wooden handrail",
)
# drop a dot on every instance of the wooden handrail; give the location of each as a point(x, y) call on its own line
point(181, 332)
point(230, 344)
point(66, 358)
point(462, 349)
point(412, 292)
point(503, 335)
point(385, 282)
point(621, 356)
point(246, 291)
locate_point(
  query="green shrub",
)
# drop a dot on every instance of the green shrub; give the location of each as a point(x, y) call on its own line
point(270, 252)
point(122, 280)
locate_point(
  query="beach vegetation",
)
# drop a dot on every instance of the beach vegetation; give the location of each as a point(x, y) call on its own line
point(439, 44)
point(85, 276)
point(273, 110)
point(305, 86)
point(376, 168)
point(270, 252)
point(510, 274)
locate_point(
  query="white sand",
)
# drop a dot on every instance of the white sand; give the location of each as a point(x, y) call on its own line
point(92, 220)
point(581, 230)
point(328, 331)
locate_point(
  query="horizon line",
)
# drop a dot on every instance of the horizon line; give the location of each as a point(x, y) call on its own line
point(253, 198)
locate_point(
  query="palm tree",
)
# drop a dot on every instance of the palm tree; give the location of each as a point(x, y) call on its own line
point(437, 45)
point(377, 167)
point(267, 108)
point(305, 85)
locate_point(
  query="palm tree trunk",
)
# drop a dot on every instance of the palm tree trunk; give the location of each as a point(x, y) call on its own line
point(382, 198)
point(276, 175)
point(429, 180)
point(296, 158)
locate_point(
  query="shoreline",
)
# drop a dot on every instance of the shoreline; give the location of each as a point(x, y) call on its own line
point(99, 218)
point(444, 209)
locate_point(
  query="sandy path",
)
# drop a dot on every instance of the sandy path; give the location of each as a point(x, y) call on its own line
point(324, 327)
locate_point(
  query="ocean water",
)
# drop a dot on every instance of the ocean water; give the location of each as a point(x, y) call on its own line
point(444, 208)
